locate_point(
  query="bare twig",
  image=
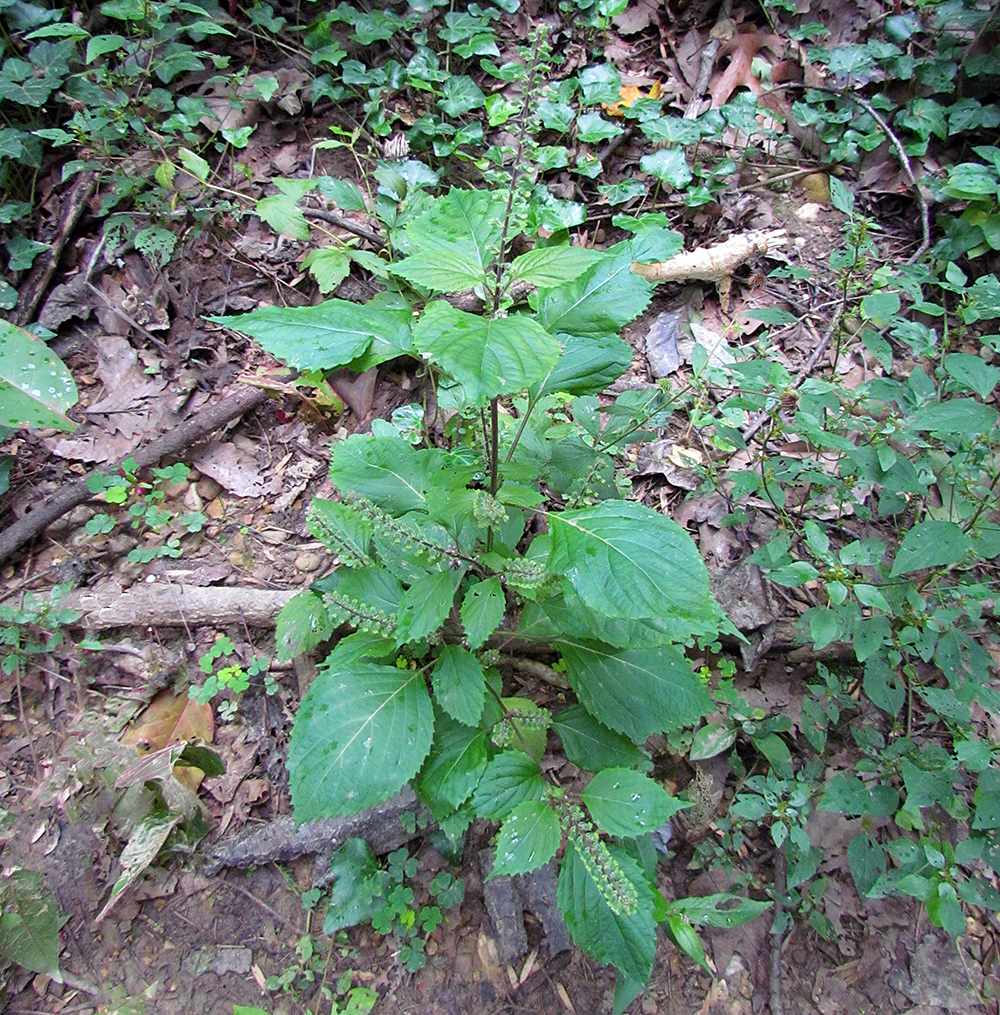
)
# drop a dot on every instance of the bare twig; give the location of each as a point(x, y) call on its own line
point(536, 669)
point(352, 227)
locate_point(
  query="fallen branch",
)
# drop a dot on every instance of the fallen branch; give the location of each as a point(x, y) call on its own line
point(712, 264)
point(187, 433)
point(162, 604)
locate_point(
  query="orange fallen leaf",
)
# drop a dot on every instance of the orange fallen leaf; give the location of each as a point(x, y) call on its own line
point(629, 93)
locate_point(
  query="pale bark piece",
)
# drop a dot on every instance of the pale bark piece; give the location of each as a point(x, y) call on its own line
point(165, 604)
point(715, 263)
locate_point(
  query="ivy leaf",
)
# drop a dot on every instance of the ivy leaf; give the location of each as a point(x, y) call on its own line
point(668, 165)
point(625, 560)
point(930, 544)
point(488, 357)
point(510, 779)
point(628, 942)
point(459, 684)
point(331, 334)
point(600, 83)
point(529, 838)
point(453, 768)
point(600, 302)
point(637, 692)
point(551, 266)
point(592, 127)
point(590, 745)
point(30, 923)
point(425, 606)
point(461, 95)
point(482, 610)
point(360, 734)
point(626, 804)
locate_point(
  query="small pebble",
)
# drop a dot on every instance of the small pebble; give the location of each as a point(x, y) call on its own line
point(308, 561)
point(208, 488)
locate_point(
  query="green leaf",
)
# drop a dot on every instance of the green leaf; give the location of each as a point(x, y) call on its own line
point(387, 470)
point(956, 416)
point(706, 911)
point(331, 334)
point(930, 544)
point(444, 271)
point(600, 302)
point(482, 610)
point(551, 266)
point(592, 127)
point(588, 366)
point(281, 213)
point(23, 252)
point(352, 901)
point(710, 740)
point(36, 388)
point(302, 624)
point(329, 266)
point(454, 766)
point(668, 165)
point(30, 923)
point(194, 164)
point(529, 838)
point(461, 95)
point(344, 193)
point(987, 800)
point(342, 530)
point(867, 862)
point(425, 606)
point(628, 942)
point(600, 83)
point(625, 560)
point(488, 357)
point(626, 804)
point(510, 779)
point(636, 692)
point(466, 223)
point(590, 745)
point(459, 684)
point(972, 372)
point(880, 307)
point(883, 686)
point(360, 734)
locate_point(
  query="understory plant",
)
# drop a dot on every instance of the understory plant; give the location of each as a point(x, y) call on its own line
point(500, 528)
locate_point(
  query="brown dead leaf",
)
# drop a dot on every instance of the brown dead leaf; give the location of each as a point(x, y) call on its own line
point(741, 49)
point(637, 16)
point(173, 719)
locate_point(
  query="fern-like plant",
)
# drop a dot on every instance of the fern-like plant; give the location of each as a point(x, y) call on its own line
point(441, 578)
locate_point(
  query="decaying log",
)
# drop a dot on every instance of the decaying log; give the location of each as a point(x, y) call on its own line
point(715, 263)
